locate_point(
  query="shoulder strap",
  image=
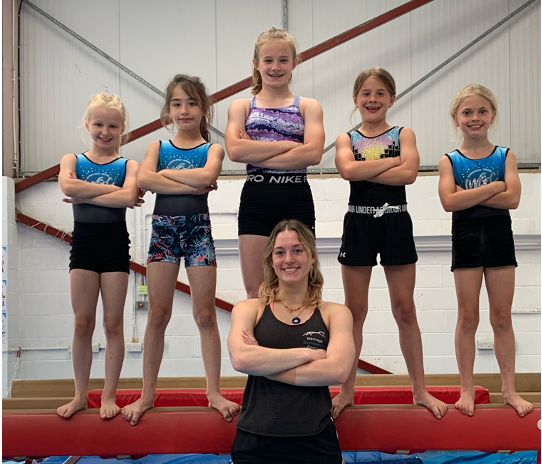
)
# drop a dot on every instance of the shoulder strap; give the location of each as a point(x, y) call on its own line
point(297, 98)
point(503, 150)
point(253, 102)
point(354, 135)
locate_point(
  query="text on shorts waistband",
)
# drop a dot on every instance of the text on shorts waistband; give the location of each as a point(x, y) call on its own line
point(377, 211)
point(277, 178)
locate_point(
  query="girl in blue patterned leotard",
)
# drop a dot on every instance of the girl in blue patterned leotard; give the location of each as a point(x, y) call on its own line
point(100, 184)
point(479, 184)
point(278, 135)
point(182, 171)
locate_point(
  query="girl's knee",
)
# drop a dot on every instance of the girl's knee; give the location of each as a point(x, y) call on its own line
point(468, 322)
point(205, 319)
point(501, 323)
point(359, 317)
point(405, 315)
point(159, 316)
point(359, 311)
point(113, 328)
point(84, 326)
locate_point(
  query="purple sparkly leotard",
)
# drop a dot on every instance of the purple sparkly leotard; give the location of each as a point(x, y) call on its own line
point(272, 124)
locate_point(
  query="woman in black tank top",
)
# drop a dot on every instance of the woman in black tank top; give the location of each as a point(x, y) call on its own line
point(286, 406)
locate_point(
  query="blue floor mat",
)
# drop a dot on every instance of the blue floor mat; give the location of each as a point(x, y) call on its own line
point(429, 457)
point(456, 457)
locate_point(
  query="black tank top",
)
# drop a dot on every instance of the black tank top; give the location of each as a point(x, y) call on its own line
point(278, 409)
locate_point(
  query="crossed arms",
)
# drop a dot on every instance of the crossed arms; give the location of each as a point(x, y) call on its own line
point(401, 170)
point(195, 181)
point(282, 154)
point(294, 366)
point(112, 196)
point(498, 194)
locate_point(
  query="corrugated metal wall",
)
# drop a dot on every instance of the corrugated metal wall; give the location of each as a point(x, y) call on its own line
point(214, 39)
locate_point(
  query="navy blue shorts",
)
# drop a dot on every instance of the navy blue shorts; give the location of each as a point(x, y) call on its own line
point(483, 242)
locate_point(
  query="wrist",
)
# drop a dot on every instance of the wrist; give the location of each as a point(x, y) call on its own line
point(309, 354)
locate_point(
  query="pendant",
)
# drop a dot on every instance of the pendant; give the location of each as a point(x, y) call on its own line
point(296, 320)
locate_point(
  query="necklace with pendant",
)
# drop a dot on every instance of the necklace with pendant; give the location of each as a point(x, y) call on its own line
point(296, 319)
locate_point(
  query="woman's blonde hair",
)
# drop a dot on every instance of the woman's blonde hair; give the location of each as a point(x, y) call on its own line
point(194, 88)
point(108, 101)
point(469, 91)
point(381, 74)
point(262, 38)
point(269, 288)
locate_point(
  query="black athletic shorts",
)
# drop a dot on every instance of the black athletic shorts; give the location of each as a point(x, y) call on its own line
point(322, 448)
point(483, 242)
point(100, 247)
point(365, 236)
point(264, 204)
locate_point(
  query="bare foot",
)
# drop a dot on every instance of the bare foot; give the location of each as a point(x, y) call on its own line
point(341, 401)
point(227, 408)
point(133, 412)
point(437, 407)
point(466, 401)
point(522, 406)
point(109, 408)
point(68, 410)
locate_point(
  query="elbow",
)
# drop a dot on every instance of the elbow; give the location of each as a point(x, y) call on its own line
point(67, 188)
point(411, 178)
point(233, 153)
point(447, 205)
point(514, 204)
point(234, 156)
point(67, 191)
point(341, 374)
point(346, 174)
point(343, 368)
point(343, 378)
point(316, 158)
point(238, 363)
point(208, 179)
point(448, 208)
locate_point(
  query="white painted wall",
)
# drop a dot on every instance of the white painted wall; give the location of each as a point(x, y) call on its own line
point(214, 39)
point(9, 240)
point(40, 312)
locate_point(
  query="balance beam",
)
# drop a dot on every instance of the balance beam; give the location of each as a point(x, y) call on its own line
point(180, 397)
point(387, 428)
